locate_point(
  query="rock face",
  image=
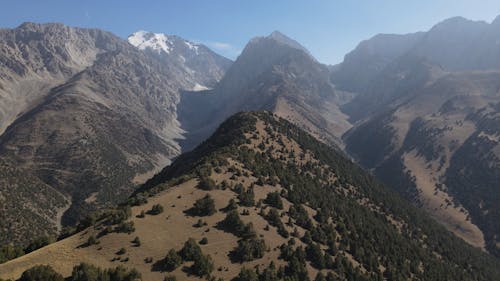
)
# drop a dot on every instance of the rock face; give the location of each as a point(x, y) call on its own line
point(87, 116)
point(272, 73)
point(427, 122)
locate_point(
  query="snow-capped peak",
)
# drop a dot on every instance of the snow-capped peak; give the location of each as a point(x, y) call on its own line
point(160, 42)
point(156, 41)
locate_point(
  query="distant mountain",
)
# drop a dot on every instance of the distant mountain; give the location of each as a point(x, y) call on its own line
point(272, 73)
point(426, 122)
point(199, 68)
point(263, 200)
point(370, 57)
point(85, 118)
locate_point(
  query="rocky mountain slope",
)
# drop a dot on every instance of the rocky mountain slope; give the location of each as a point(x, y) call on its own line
point(85, 117)
point(427, 124)
point(263, 200)
point(273, 73)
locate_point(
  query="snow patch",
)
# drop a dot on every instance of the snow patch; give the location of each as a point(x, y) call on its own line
point(197, 87)
point(192, 46)
point(156, 41)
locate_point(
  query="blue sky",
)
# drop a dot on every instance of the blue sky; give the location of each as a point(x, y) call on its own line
point(328, 28)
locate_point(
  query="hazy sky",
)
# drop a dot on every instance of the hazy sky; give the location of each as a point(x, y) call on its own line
point(328, 28)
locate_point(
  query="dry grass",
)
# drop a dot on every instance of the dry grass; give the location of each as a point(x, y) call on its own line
point(439, 203)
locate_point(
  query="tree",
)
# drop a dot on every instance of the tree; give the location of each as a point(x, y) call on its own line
point(233, 223)
point(230, 206)
point(202, 266)
point(39, 243)
point(190, 251)
point(41, 273)
point(315, 255)
point(274, 219)
point(120, 273)
point(9, 252)
point(320, 277)
point(270, 273)
point(172, 260)
point(274, 199)
point(249, 250)
point(86, 272)
point(246, 197)
point(203, 207)
point(246, 275)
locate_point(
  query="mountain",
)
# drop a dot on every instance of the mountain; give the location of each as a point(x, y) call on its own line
point(199, 68)
point(369, 58)
point(86, 117)
point(263, 200)
point(426, 123)
point(272, 73)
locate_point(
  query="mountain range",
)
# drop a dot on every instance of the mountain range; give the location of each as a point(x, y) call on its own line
point(87, 119)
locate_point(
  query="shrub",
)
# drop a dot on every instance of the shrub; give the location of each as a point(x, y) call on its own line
point(92, 241)
point(142, 214)
point(41, 273)
point(136, 241)
point(206, 183)
point(122, 251)
point(204, 241)
point(156, 210)
point(125, 227)
point(170, 278)
point(200, 223)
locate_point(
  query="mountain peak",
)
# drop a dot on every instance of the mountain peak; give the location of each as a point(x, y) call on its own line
point(458, 23)
point(285, 40)
point(280, 39)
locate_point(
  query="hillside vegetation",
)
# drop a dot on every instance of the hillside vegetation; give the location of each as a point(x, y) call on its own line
point(263, 200)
